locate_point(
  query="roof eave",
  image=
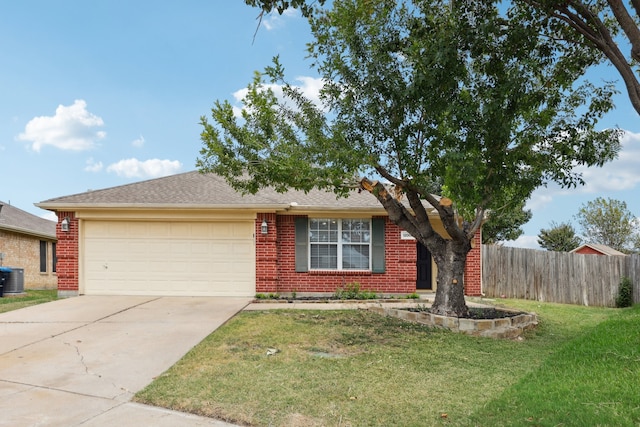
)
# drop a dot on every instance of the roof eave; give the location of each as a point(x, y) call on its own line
point(28, 232)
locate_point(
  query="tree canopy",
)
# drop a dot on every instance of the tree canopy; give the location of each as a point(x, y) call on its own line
point(505, 224)
point(559, 237)
point(609, 27)
point(266, 6)
point(414, 92)
point(609, 222)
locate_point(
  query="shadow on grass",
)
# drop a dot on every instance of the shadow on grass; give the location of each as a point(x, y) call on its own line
point(591, 380)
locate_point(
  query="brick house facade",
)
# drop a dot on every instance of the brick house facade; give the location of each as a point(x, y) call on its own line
point(276, 272)
point(275, 262)
point(28, 242)
point(276, 254)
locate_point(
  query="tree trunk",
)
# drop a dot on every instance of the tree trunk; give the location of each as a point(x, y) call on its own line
point(450, 257)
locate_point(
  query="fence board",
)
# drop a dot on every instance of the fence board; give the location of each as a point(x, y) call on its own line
point(557, 276)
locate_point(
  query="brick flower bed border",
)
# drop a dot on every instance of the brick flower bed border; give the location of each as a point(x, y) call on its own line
point(505, 328)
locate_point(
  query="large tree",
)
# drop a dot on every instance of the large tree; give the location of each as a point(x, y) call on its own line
point(609, 27)
point(609, 222)
point(416, 92)
point(559, 237)
point(506, 223)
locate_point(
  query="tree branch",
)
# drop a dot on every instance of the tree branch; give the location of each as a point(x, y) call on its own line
point(585, 20)
point(628, 25)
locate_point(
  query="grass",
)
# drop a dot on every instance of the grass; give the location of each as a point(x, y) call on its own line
point(33, 297)
point(355, 368)
point(591, 380)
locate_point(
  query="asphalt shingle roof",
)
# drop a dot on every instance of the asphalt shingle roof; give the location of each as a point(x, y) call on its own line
point(17, 220)
point(193, 189)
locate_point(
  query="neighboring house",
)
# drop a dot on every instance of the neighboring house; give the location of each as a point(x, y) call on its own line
point(28, 242)
point(594, 249)
point(192, 234)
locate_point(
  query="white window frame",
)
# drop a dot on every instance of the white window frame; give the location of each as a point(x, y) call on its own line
point(340, 244)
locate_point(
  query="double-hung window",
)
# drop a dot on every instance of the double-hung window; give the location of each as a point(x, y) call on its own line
point(339, 244)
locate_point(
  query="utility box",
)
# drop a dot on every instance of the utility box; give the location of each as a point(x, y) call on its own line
point(15, 282)
point(4, 278)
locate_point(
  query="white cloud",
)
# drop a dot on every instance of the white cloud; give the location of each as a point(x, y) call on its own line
point(528, 242)
point(71, 128)
point(51, 216)
point(619, 174)
point(153, 168)
point(540, 198)
point(310, 87)
point(139, 142)
point(93, 166)
point(274, 20)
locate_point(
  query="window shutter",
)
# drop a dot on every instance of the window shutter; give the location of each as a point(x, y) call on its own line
point(302, 245)
point(377, 245)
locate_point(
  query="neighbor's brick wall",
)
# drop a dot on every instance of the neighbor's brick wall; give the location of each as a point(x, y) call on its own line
point(23, 251)
point(275, 263)
point(68, 255)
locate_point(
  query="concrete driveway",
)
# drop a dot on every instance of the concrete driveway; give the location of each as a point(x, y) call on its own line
point(79, 361)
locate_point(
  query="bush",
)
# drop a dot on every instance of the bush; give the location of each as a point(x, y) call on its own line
point(625, 293)
point(268, 296)
point(352, 291)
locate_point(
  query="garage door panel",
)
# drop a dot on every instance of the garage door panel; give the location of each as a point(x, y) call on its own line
point(146, 258)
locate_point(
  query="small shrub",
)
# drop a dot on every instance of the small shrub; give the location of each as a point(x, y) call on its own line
point(421, 308)
point(413, 296)
point(625, 293)
point(268, 296)
point(352, 291)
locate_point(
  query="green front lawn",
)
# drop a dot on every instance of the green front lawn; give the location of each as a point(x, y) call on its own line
point(32, 298)
point(581, 366)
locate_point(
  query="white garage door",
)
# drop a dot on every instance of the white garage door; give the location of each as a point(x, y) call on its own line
point(168, 258)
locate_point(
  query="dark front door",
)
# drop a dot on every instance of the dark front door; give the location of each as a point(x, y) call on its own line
point(423, 264)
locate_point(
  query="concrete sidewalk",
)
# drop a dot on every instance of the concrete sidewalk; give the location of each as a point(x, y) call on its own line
point(79, 361)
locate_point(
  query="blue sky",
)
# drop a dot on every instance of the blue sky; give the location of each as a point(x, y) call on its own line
point(107, 92)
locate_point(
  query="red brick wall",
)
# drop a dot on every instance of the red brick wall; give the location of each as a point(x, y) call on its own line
point(473, 268)
point(280, 275)
point(275, 262)
point(266, 254)
point(277, 274)
point(67, 248)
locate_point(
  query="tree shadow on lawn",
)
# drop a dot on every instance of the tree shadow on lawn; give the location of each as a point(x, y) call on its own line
point(591, 380)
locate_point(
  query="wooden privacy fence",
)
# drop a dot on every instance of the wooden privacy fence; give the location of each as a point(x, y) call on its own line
point(557, 276)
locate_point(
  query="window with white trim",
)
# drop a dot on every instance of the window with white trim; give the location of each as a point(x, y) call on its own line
point(339, 244)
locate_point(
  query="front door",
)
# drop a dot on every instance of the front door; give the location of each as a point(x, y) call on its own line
point(423, 264)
